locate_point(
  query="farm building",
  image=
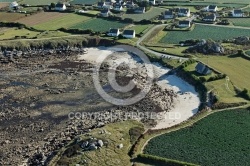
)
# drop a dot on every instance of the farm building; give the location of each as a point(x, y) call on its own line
point(184, 24)
point(129, 34)
point(139, 10)
point(210, 18)
point(13, 5)
point(105, 12)
point(211, 8)
point(113, 32)
point(237, 13)
point(184, 12)
point(202, 69)
point(168, 14)
point(60, 7)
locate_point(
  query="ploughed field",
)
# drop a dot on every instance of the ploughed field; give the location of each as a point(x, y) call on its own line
point(204, 32)
point(219, 139)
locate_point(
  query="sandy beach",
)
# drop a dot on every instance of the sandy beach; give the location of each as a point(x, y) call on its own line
point(186, 103)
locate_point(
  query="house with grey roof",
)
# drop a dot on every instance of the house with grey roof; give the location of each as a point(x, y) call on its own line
point(237, 13)
point(168, 14)
point(118, 7)
point(130, 4)
point(202, 69)
point(129, 34)
point(210, 18)
point(114, 32)
point(60, 7)
point(152, 2)
point(139, 10)
point(211, 8)
point(184, 24)
point(184, 12)
point(105, 12)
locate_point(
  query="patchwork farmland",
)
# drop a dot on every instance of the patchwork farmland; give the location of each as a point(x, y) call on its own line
point(204, 32)
point(219, 139)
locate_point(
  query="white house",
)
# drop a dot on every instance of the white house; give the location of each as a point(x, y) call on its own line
point(129, 34)
point(60, 7)
point(105, 12)
point(184, 24)
point(202, 69)
point(184, 12)
point(118, 7)
point(139, 10)
point(211, 8)
point(113, 32)
point(210, 18)
point(13, 5)
point(152, 2)
point(130, 4)
point(237, 13)
point(168, 14)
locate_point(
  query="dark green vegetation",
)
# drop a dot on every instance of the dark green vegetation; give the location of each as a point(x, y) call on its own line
point(205, 32)
point(219, 139)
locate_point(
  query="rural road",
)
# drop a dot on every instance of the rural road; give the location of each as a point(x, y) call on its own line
point(151, 51)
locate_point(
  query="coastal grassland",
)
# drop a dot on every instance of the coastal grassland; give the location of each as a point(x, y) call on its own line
point(11, 33)
point(244, 22)
point(116, 133)
point(153, 12)
point(65, 21)
point(40, 2)
point(219, 139)
point(204, 32)
point(224, 91)
point(10, 17)
point(169, 49)
point(235, 67)
point(99, 24)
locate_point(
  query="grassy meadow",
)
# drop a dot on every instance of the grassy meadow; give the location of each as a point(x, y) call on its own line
point(109, 154)
point(236, 68)
point(244, 22)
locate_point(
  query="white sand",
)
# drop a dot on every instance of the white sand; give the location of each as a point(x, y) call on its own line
point(187, 101)
point(186, 104)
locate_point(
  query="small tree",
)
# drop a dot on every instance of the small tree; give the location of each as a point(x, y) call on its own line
point(52, 5)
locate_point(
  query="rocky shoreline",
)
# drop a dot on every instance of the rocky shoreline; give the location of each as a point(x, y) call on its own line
point(39, 88)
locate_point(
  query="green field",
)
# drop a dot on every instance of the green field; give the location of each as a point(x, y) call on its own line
point(197, 3)
point(66, 21)
point(99, 24)
point(11, 33)
point(219, 139)
point(204, 32)
point(84, 1)
point(139, 28)
point(244, 22)
point(109, 154)
point(236, 68)
point(154, 11)
point(40, 2)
